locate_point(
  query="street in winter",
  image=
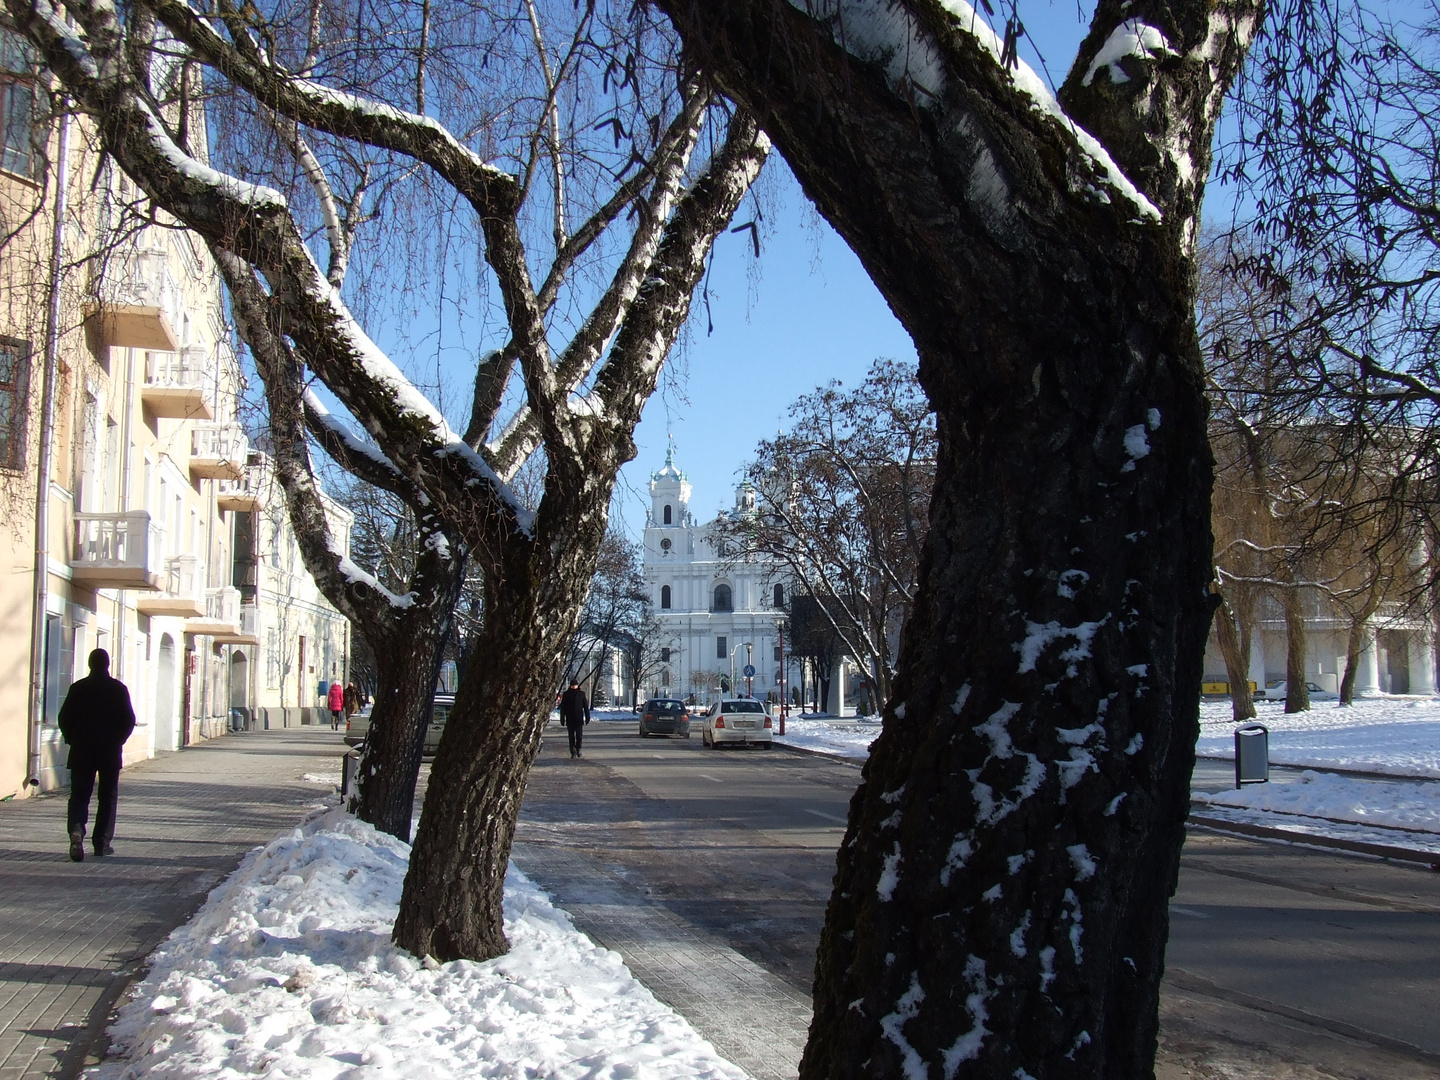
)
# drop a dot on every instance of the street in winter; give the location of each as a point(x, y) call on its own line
point(663, 910)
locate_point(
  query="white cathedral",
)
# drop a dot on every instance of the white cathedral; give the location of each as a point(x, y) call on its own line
point(716, 615)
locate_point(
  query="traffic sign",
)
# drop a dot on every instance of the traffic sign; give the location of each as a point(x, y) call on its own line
point(749, 671)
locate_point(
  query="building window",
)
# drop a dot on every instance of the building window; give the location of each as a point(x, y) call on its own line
point(14, 363)
point(665, 597)
point(777, 654)
point(779, 595)
point(668, 520)
point(721, 652)
point(17, 104)
point(664, 656)
point(723, 599)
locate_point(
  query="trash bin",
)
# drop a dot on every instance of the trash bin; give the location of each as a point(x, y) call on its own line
point(349, 773)
point(1252, 755)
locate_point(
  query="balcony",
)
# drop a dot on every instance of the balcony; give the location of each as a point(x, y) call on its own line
point(183, 590)
point(246, 493)
point(179, 386)
point(117, 551)
point(217, 451)
point(138, 303)
point(249, 628)
point(221, 617)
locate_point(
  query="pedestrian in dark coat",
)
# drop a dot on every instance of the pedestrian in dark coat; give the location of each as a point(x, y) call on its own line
point(575, 714)
point(95, 720)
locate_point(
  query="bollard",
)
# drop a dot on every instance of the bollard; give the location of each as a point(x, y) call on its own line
point(1252, 755)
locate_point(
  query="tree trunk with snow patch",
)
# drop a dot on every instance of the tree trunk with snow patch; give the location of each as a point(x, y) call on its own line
point(1001, 900)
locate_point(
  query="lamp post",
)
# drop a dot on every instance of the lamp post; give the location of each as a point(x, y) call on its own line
point(784, 682)
point(748, 647)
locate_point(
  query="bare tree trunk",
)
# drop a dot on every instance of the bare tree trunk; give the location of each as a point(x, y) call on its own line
point(1297, 694)
point(1234, 643)
point(452, 902)
point(407, 665)
point(1000, 906)
point(1354, 646)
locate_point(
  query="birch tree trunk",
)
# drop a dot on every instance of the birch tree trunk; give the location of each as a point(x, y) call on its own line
point(1000, 902)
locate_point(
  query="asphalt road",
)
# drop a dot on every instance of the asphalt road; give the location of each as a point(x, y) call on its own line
point(1284, 961)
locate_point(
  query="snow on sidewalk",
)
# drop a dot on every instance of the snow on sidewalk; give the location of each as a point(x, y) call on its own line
point(839, 738)
point(1384, 806)
point(288, 971)
point(1398, 736)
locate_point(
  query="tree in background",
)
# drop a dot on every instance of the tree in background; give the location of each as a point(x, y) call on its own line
point(614, 608)
point(815, 644)
point(846, 493)
point(614, 216)
point(1010, 855)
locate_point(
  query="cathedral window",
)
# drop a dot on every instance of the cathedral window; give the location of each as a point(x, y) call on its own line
point(668, 515)
point(779, 595)
point(665, 596)
point(723, 599)
point(721, 652)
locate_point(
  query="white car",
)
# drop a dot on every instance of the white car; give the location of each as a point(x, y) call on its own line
point(1275, 690)
point(736, 720)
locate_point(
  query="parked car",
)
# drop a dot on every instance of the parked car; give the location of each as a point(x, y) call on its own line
point(664, 716)
point(358, 726)
point(1276, 689)
point(737, 720)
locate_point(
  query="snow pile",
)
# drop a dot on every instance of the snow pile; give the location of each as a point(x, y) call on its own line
point(288, 971)
point(1398, 736)
point(1408, 805)
point(838, 738)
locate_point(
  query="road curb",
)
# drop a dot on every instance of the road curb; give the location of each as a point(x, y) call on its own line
point(1428, 859)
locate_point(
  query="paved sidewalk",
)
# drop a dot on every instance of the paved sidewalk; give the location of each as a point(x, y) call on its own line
point(74, 935)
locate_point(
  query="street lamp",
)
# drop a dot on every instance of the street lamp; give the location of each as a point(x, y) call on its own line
point(784, 682)
point(749, 649)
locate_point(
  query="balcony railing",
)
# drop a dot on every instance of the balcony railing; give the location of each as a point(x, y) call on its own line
point(245, 494)
point(180, 385)
point(222, 614)
point(138, 303)
point(217, 451)
point(249, 628)
point(183, 590)
point(117, 551)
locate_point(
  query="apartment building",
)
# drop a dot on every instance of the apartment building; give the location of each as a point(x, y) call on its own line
point(130, 501)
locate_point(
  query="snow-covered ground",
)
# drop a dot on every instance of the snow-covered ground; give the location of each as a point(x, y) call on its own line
point(288, 972)
point(1409, 805)
point(839, 738)
point(1398, 736)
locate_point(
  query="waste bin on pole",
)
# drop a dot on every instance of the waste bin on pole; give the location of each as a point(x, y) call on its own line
point(1252, 755)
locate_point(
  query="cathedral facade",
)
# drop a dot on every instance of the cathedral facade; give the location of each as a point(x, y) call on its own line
point(716, 615)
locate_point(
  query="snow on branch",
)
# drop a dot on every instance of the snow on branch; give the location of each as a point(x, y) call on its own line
point(885, 33)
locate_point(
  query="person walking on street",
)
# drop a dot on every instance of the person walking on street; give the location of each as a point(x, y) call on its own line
point(95, 719)
point(575, 714)
point(352, 700)
point(337, 705)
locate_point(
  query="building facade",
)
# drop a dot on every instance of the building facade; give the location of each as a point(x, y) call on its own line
point(716, 614)
point(125, 475)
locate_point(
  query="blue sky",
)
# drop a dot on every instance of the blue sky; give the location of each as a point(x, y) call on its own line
point(804, 314)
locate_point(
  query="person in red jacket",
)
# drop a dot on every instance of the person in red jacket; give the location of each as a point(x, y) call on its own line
point(337, 705)
point(95, 720)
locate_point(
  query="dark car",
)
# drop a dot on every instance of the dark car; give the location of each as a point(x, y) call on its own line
point(664, 716)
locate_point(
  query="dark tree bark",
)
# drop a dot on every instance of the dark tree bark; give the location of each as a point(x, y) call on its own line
point(1233, 629)
point(1297, 694)
point(1000, 903)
